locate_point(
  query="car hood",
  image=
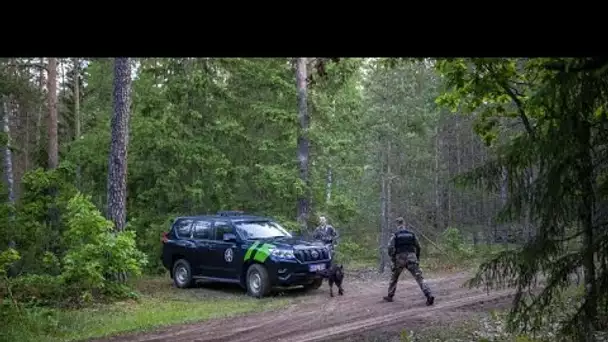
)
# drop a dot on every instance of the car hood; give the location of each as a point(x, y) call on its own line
point(294, 243)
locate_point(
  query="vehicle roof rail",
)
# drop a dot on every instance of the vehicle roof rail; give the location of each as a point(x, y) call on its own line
point(231, 213)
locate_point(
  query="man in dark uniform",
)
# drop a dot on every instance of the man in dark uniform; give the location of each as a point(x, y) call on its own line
point(404, 250)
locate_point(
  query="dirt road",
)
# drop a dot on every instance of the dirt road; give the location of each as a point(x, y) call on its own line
point(360, 310)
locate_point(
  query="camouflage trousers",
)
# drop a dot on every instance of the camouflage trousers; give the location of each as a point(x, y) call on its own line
point(410, 262)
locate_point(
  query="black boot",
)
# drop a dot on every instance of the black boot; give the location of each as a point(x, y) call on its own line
point(388, 298)
point(430, 300)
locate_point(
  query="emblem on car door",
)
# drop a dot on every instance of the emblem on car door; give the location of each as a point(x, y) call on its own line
point(228, 255)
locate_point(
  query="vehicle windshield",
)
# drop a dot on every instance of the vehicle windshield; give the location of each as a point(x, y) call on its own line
point(260, 230)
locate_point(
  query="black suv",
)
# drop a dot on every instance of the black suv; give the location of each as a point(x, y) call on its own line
point(255, 252)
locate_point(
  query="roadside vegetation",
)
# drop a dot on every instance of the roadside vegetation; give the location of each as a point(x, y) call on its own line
point(498, 164)
point(154, 303)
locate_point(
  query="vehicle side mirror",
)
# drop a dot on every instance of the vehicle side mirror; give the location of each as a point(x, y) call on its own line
point(229, 237)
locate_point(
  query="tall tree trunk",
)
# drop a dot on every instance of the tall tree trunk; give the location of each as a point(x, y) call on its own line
point(388, 190)
point(383, 221)
point(504, 231)
point(76, 99)
point(471, 199)
point(27, 145)
point(53, 148)
point(41, 84)
point(77, 111)
point(586, 209)
point(8, 158)
point(438, 218)
point(7, 105)
point(458, 195)
point(8, 172)
point(386, 207)
point(303, 142)
point(117, 166)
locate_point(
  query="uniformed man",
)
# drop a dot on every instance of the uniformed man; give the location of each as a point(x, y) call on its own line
point(325, 232)
point(404, 250)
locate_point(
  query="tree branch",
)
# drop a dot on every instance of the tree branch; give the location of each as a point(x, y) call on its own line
point(514, 97)
point(520, 109)
point(591, 64)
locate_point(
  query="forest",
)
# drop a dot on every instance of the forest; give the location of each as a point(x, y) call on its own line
point(499, 164)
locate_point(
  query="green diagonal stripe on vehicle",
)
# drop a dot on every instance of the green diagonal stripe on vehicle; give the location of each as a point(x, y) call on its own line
point(263, 252)
point(251, 249)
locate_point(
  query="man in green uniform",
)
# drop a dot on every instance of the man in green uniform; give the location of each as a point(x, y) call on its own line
point(404, 250)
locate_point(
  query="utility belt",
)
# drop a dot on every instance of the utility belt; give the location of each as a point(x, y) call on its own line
point(405, 250)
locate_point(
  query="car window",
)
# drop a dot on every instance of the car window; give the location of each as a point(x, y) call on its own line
point(202, 230)
point(260, 230)
point(222, 228)
point(182, 228)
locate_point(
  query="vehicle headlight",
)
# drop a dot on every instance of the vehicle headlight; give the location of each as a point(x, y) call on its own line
point(283, 253)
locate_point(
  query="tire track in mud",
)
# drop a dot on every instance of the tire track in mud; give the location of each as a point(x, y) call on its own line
point(321, 318)
point(322, 310)
point(414, 316)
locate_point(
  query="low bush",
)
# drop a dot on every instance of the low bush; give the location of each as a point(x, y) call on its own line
point(93, 266)
point(97, 256)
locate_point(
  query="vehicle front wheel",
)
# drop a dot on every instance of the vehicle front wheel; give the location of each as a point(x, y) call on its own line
point(315, 284)
point(182, 274)
point(258, 284)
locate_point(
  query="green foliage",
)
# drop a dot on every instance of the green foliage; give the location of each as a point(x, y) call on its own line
point(453, 239)
point(38, 289)
point(37, 224)
point(494, 88)
point(549, 168)
point(454, 244)
point(27, 325)
point(69, 252)
point(351, 252)
point(210, 134)
point(96, 254)
point(213, 134)
point(7, 258)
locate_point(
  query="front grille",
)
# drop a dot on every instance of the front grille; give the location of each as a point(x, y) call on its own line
point(312, 254)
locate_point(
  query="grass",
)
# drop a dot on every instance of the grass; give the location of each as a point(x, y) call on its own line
point(159, 305)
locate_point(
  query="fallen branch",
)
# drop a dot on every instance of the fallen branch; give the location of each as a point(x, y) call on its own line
point(417, 231)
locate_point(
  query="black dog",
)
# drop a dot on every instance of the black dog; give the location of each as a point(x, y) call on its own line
point(334, 275)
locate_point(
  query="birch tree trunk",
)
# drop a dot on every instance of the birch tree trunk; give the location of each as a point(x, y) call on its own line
point(7, 154)
point(8, 171)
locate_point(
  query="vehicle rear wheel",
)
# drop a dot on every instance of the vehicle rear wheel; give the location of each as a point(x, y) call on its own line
point(258, 283)
point(315, 284)
point(182, 274)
